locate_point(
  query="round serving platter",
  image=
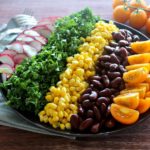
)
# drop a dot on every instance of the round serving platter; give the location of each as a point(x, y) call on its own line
point(117, 129)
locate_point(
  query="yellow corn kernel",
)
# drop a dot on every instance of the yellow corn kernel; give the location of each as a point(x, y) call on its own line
point(73, 107)
point(55, 125)
point(62, 105)
point(48, 97)
point(64, 121)
point(42, 113)
point(69, 59)
point(73, 99)
point(59, 83)
point(60, 114)
point(45, 119)
point(56, 100)
point(55, 119)
point(52, 89)
point(62, 100)
point(62, 126)
point(72, 81)
point(68, 126)
point(65, 114)
point(72, 88)
point(50, 120)
point(54, 113)
point(51, 105)
point(80, 72)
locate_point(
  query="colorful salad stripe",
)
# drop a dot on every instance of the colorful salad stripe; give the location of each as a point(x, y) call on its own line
point(73, 81)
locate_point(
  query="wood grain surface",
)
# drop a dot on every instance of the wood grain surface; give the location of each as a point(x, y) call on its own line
point(14, 139)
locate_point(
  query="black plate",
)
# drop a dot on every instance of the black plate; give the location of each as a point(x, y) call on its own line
point(118, 128)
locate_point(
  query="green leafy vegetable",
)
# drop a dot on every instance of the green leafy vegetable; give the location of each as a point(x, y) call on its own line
point(28, 85)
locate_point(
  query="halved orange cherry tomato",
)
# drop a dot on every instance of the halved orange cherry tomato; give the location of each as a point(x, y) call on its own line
point(136, 66)
point(139, 58)
point(123, 114)
point(141, 46)
point(144, 105)
point(132, 86)
point(136, 76)
point(130, 100)
point(140, 90)
point(147, 94)
point(148, 79)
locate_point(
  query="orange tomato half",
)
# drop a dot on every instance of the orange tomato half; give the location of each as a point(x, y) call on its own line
point(123, 114)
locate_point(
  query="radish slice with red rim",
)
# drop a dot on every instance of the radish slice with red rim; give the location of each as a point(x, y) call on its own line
point(6, 59)
point(16, 46)
point(5, 68)
point(19, 58)
point(29, 51)
point(9, 52)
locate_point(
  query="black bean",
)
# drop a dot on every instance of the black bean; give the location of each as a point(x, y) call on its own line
point(122, 86)
point(113, 44)
point(86, 103)
point(123, 52)
point(123, 43)
point(106, 92)
point(122, 68)
point(129, 39)
point(113, 91)
point(90, 113)
point(86, 124)
point(118, 36)
point(105, 81)
point(103, 72)
point(75, 121)
point(111, 97)
point(136, 38)
point(96, 77)
point(116, 82)
point(109, 49)
point(103, 108)
point(88, 90)
point(97, 84)
point(125, 62)
point(93, 96)
point(105, 58)
point(95, 128)
point(83, 97)
point(101, 100)
point(114, 59)
point(113, 75)
point(80, 110)
point(123, 32)
point(108, 113)
point(97, 113)
point(107, 65)
point(113, 67)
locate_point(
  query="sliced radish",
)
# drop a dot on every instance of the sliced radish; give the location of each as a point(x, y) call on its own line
point(31, 32)
point(16, 46)
point(9, 52)
point(30, 41)
point(24, 38)
point(19, 58)
point(5, 68)
point(6, 59)
point(43, 30)
point(30, 51)
point(36, 44)
point(41, 39)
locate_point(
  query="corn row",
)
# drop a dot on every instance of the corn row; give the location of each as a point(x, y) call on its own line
point(62, 100)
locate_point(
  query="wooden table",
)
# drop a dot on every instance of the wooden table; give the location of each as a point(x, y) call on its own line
point(14, 139)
